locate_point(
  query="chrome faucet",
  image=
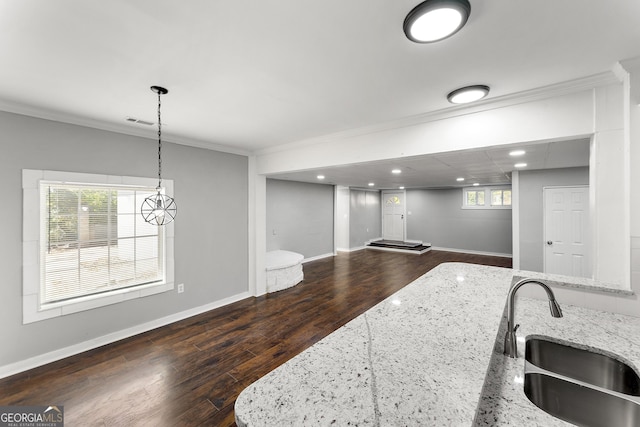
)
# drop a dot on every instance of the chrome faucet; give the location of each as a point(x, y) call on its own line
point(510, 343)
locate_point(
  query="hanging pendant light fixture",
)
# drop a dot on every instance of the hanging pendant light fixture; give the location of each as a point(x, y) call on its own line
point(159, 209)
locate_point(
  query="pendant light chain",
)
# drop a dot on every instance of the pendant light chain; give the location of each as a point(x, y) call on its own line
point(159, 145)
point(159, 208)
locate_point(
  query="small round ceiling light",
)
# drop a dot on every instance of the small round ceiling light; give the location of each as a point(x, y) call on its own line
point(467, 94)
point(320, 177)
point(516, 153)
point(371, 184)
point(475, 184)
point(434, 20)
point(520, 165)
point(460, 179)
point(396, 171)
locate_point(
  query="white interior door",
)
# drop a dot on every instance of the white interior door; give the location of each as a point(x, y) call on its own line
point(393, 215)
point(566, 231)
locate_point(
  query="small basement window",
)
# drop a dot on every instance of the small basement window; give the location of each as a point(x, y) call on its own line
point(501, 197)
point(474, 198)
point(498, 197)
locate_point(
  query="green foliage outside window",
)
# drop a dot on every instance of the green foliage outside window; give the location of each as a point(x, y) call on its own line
point(475, 198)
point(91, 212)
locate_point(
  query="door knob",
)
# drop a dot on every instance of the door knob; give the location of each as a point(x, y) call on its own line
point(549, 242)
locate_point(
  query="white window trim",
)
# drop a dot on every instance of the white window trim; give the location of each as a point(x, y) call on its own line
point(31, 270)
point(487, 197)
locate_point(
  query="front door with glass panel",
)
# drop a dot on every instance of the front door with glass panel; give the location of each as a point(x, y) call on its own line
point(393, 212)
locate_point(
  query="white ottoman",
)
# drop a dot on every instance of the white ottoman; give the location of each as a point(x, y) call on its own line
point(284, 270)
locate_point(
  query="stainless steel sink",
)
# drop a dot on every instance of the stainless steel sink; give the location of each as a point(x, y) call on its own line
point(583, 406)
point(583, 387)
point(600, 369)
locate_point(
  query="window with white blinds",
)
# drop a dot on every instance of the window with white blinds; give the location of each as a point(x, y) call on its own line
point(94, 240)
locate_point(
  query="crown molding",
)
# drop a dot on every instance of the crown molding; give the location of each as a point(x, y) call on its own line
point(545, 92)
point(62, 117)
point(559, 89)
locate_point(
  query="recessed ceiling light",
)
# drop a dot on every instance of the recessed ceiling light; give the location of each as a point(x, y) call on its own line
point(371, 184)
point(320, 176)
point(520, 165)
point(516, 153)
point(396, 171)
point(434, 20)
point(460, 179)
point(467, 94)
point(475, 184)
point(400, 188)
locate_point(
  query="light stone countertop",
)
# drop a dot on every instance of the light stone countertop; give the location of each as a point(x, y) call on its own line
point(575, 282)
point(425, 357)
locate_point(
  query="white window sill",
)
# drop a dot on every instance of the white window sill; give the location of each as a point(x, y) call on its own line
point(106, 298)
point(49, 311)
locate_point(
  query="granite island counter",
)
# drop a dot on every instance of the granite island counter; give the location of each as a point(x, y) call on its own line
point(430, 354)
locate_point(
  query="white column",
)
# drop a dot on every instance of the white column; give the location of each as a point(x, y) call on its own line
point(515, 219)
point(632, 68)
point(257, 230)
point(609, 187)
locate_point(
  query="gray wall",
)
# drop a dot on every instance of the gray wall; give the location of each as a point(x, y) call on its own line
point(299, 217)
point(437, 218)
point(531, 209)
point(211, 234)
point(365, 217)
point(342, 195)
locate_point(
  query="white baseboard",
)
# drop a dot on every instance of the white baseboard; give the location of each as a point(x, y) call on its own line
point(359, 248)
point(468, 251)
point(52, 356)
point(317, 257)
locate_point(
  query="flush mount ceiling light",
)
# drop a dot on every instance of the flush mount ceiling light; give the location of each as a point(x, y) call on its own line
point(396, 171)
point(468, 94)
point(460, 179)
point(320, 177)
point(434, 20)
point(516, 153)
point(159, 209)
point(520, 165)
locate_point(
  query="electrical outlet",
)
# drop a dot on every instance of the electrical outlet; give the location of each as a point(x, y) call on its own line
point(181, 288)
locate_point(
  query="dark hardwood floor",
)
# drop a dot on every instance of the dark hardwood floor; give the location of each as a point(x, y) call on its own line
point(190, 372)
